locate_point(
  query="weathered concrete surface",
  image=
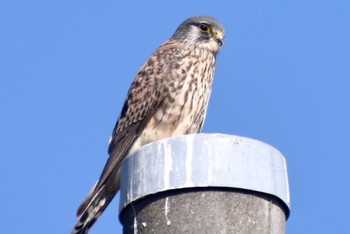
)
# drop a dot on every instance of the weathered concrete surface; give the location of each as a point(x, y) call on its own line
point(211, 210)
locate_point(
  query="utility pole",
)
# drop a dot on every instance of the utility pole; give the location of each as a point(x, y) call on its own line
point(204, 183)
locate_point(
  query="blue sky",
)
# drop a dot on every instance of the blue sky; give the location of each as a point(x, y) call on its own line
point(65, 68)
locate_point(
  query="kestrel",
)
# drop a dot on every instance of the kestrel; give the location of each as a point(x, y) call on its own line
point(168, 97)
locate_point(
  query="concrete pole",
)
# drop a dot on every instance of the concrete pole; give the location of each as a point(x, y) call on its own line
point(205, 183)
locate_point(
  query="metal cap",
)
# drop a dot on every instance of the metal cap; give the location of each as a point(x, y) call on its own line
point(204, 160)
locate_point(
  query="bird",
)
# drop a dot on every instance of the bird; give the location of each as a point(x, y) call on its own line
point(168, 97)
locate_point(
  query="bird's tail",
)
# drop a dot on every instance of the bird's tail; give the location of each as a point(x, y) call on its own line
point(93, 206)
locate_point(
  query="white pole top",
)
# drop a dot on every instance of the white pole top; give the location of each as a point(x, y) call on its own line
point(204, 160)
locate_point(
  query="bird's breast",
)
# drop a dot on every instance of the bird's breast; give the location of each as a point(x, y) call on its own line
point(185, 106)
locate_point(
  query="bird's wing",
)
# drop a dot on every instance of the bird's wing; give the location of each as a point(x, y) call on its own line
point(144, 97)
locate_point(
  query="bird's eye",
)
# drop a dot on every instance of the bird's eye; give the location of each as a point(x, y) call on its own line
point(204, 27)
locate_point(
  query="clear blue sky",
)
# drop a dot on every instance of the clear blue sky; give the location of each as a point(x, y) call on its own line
point(283, 77)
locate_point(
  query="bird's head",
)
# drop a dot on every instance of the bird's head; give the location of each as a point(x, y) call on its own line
point(201, 31)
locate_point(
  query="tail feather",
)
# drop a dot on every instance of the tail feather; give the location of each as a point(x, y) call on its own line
point(86, 201)
point(93, 206)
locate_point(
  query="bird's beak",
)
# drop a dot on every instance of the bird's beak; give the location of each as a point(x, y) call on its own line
point(219, 37)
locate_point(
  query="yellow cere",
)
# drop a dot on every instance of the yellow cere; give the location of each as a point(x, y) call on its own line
point(218, 33)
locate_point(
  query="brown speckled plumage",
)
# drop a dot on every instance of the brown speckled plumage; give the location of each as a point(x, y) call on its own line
point(168, 97)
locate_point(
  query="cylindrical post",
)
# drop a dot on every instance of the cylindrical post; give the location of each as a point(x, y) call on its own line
point(204, 183)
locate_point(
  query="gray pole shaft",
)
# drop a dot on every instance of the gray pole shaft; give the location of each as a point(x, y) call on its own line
point(205, 211)
point(205, 196)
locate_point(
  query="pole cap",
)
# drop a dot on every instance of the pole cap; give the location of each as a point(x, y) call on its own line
point(204, 160)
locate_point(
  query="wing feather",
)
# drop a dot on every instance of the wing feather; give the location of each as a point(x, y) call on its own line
point(146, 94)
